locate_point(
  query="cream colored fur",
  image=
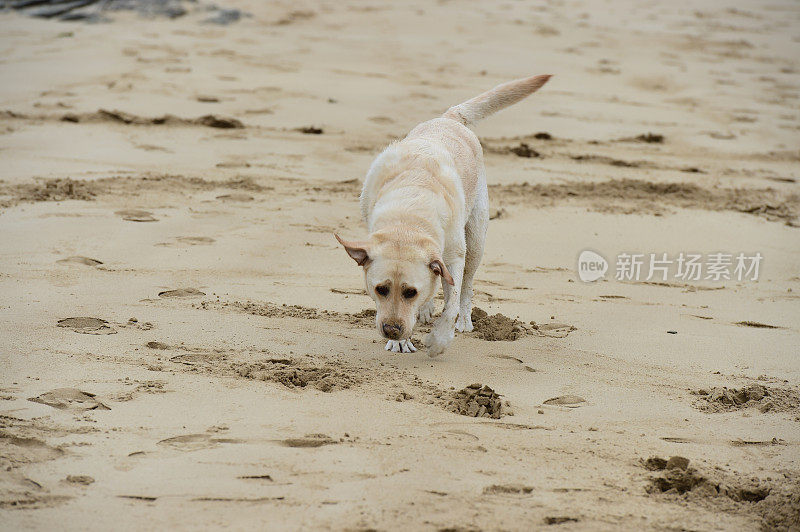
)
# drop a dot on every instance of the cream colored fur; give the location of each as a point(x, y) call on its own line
point(426, 206)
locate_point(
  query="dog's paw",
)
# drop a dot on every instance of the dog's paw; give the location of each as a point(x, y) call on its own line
point(400, 346)
point(426, 312)
point(438, 341)
point(464, 323)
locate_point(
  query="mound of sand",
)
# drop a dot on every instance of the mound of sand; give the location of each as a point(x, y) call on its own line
point(55, 190)
point(496, 327)
point(326, 378)
point(776, 501)
point(766, 399)
point(678, 477)
point(638, 196)
point(477, 400)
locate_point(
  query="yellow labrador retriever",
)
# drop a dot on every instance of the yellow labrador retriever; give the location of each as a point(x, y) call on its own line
point(426, 207)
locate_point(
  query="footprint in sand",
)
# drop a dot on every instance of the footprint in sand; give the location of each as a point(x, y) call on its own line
point(507, 357)
point(182, 292)
point(515, 359)
point(560, 519)
point(195, 442)
point(349, 292)
point(555, 330)
point(78, 260)
point(195, 359)
point(570, 401)
point(142, 498)
point(86, 325)
point(507, 489)
point(757, 325)
point(137, 216)
point(80, 480)
point(181, 241)
point(69, 399)
point(235, 197)
point(22, 450)
point(195, 240)
point(256, 477)
point(677, 439)
point(157, 345)
point(309, 440)
point(152, 147)
point(519, 426)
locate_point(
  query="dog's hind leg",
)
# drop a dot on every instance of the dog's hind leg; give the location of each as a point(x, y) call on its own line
point(476, 227)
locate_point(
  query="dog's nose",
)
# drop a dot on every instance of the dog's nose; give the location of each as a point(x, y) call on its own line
point(391, 330)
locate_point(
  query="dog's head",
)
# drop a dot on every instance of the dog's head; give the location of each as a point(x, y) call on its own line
point(400, 276)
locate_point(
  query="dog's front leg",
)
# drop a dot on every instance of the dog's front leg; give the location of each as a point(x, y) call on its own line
point(443, 329)
point(426, 313)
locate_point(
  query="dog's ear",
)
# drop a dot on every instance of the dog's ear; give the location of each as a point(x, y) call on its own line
point(358, 251)
point(438, 267)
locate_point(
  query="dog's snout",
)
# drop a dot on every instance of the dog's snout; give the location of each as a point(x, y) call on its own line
point(392, 330)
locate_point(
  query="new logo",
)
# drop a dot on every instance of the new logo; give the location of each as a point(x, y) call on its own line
point(591, 266)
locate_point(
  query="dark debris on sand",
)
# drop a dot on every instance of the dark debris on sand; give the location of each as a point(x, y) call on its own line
point(650, 138)
point(311, 130)
point(100, 10)
point(103, 115)
point(523, 150)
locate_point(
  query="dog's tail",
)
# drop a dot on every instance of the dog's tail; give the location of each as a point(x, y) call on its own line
point(496, 99)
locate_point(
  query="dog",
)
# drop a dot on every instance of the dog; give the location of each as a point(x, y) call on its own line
point(426, 205)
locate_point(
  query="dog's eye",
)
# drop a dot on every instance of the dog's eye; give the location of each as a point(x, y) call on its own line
point(409, 293)
point(382, 290)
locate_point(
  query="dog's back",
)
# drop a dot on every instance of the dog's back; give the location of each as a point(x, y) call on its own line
point(449, 133)
point(462, 145)
point(451, 130)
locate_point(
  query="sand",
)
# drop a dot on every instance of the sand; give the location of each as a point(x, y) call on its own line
point(183, 344)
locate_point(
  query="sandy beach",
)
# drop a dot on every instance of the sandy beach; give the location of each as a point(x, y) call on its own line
point(184, 345)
